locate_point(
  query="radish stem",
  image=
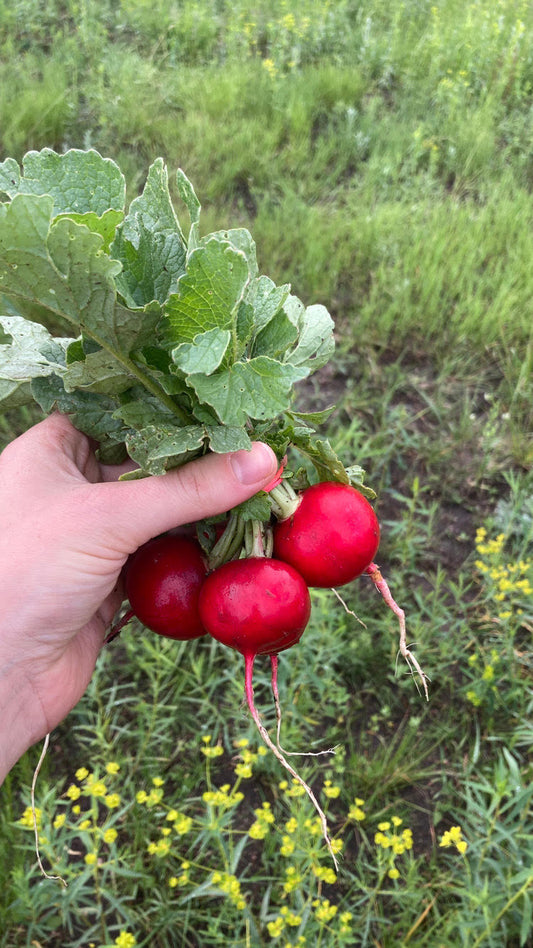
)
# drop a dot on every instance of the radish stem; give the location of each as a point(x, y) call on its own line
point(117, 628)
point(249, 691)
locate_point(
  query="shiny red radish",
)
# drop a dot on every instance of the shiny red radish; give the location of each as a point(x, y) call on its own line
point(163, 582)
point(330, 537)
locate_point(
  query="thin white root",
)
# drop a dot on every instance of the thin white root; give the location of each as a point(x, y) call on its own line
point(346, 609)
point(296, 776)
point(275, 692)
point(330, 750)
point(405, 651)
point(34, 816)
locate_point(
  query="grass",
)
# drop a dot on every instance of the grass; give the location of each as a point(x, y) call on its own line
point(380, 154)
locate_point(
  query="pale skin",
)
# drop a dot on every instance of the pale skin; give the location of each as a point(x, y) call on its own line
point(67, 526)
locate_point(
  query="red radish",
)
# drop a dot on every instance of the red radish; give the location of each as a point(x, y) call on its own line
point(330, 537)
point(163, 582)
point(258, 605)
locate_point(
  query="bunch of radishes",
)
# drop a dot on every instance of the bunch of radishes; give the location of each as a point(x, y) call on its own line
point(257, 600)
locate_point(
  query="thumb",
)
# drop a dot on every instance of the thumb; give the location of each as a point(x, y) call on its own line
point(136, 511)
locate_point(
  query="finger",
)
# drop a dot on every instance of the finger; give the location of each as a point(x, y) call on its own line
point(112, 472)
point(131, 512)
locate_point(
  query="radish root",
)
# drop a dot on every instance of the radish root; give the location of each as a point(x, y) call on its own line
point(249, 665)
point(375, 575)
point(275, 692)
point(34, 816)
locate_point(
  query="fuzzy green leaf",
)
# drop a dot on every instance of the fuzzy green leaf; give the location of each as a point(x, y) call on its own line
point(90, 412)
point(204, 354)
point(208, 294)
point(31, 352)
point(259, 389)
point(150, 244)
point(78, 181)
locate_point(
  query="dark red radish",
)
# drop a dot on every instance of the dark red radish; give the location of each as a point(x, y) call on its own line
point(330, 537)
point(259, 606)
point(163, 582)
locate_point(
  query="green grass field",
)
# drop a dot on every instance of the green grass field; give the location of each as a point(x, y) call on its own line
point(382, 156)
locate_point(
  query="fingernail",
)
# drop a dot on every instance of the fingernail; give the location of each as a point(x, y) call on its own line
point(256, 465)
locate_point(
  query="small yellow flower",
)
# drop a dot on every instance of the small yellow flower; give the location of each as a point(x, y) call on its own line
point(183, 825)
point(125, 940)
point(161, 848)
point(215, 751)
point(110, 835)
point(324, 910)
point(275, 928)
point(91, 859)
point(112, 767)
point(98, 789)
point(85, 825)
point(81, 773)
point(270, 67)
point(287, 846)
point(157, 781)
point(73, 792)
point(60, 821)
point(27, 817)
point(112, 800)
point(292, 879)
point(394, 873)
point(331, 791)
point(291, 918)
point(325, 874)
point(454, 837)
point(258, 830)
point(244, 771)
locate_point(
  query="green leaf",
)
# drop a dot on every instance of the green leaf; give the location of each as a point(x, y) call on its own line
point(224, 438)
point(62, 267)
point(98, 372)
point(315, 343)
point(266, 299)
point(276, 337)
point(208, 294)
point(78, 181)
point(260, 388)
point(242, 240)
point(156, 448)
point(321, 454)
point(31, 353)
point(256, 508)
point(150, 244)
point(188, 196)
point(314, 417)
point(143, 411)
point(90, 412)
point(105, 225)
point(204, 353)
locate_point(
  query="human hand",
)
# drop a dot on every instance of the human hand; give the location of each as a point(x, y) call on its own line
point(67, 526)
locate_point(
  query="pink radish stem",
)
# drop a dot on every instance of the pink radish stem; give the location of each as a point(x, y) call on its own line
point(375, 575)
point(117, 628)
point(249, 658)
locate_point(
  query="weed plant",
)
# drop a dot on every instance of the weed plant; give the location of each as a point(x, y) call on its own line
point(381, 155)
